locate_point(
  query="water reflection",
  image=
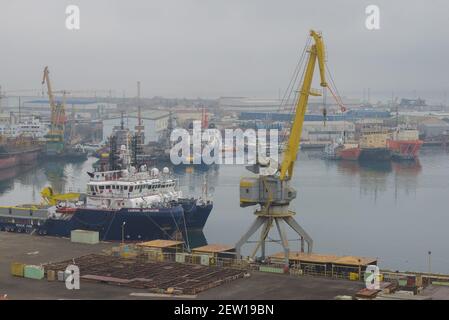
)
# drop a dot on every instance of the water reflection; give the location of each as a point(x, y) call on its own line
point(20, 174)
point(198, 180)
point(356, 194)
point(375, 178)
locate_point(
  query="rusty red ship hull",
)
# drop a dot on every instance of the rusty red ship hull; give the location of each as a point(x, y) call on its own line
point(351, 153)
point(18, 152)
point(10, 160)
point(404, 149)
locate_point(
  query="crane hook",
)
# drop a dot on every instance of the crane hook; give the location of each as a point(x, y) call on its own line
point(324, 116)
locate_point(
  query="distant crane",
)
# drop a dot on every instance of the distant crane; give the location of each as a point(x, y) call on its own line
point(271, 189)
point(55, 137)
point(139, 127)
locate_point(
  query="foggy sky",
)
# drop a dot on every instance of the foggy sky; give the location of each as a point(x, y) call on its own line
point(212, 48)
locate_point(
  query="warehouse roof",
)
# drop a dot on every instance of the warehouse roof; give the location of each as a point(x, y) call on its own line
point(324, 258)
point(214, 248)
point(151, 114)
point(306, 257)
point(160, 243)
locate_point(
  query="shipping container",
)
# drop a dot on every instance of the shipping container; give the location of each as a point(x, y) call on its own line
point(61, 276)
point(180, 257)
point(51, 275)
point(353, 276)
point(17, 269)
point(84, 236)
point(129, 255)
point(271, 269)
point(204, 260)
point(402, 282)
point(33, 272)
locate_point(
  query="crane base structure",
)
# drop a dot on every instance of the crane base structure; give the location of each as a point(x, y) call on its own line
point(268, 220)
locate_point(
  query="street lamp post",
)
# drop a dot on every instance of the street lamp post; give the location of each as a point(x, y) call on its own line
point(123, 232)
point(430, 254)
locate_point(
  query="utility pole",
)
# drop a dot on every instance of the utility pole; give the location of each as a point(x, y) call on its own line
point(123, 232)
point(20, 113)
point(139, 110)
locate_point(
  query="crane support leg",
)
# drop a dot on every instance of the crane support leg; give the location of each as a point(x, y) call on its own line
point(254, 227)
point(263, 235)
point(295, 226)
point(284, 240)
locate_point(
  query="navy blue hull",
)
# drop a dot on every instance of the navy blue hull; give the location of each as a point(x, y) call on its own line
point(140, 224)
point(195, 215)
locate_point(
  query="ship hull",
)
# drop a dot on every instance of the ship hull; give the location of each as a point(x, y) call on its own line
point(342, 152)
point(14, 159)
point(375, 154)
point(350, 154)
point(404, 149)
point(140, 224)
point(195, 214)
point(135, 224)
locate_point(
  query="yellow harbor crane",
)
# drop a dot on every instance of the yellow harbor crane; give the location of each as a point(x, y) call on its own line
point(271, 189)
point(55, 138)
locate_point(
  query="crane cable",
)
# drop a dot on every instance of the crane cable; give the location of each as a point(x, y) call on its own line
point(337, 97)
point(287, 98)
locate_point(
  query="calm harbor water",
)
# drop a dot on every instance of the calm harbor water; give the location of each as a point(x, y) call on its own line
point(396, 212)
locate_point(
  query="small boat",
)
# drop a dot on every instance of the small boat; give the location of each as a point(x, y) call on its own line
point(405, 144)
point(342, 151)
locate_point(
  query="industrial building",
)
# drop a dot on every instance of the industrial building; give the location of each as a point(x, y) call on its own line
point(320, 131)
point(433, 127)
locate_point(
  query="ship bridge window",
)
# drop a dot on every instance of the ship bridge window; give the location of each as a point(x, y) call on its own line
point(108, 187)
point(131, 189)
point(125, 187)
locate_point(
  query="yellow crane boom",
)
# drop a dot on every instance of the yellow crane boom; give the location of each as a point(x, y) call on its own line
point(46, 80)
point(316, 52)
point(52, 198)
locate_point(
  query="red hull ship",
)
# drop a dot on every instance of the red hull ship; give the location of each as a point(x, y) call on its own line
point(348, 152)
point(405, 144)
point(342, 151)
point(18, 151)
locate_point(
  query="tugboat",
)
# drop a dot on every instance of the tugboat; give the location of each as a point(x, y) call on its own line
point(404, 144)
point(339, 150)
point(124, 203)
